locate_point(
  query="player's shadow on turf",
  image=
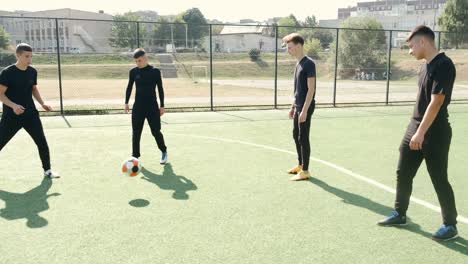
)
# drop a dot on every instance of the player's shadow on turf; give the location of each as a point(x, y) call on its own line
point(170, 181)
point(459, 244)
point(28, 205)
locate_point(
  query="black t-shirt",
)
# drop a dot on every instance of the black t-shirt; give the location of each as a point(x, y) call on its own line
point(20, 85)
point(304, 69)
point(436, 77)
point(146, 80)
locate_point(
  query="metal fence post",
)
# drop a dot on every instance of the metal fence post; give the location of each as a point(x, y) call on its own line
point(57, 38)
point(211, 67)
point(138, 34)
point(389, 66)
point(336, 66)
point(276, 66)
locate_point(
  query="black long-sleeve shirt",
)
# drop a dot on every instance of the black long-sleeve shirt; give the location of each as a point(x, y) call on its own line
point(146, 80)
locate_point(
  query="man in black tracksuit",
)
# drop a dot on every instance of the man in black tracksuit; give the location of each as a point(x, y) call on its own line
point(428, 135)
point(146, 78)
point(18, 84)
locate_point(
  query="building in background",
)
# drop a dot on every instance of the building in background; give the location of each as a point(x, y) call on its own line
point(243, 38)
point(393, 14)
point(75, 36)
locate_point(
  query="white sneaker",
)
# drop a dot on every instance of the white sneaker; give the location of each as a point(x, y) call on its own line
point(163, 158)
point(51, 175)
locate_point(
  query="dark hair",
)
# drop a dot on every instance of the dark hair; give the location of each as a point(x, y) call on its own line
point(22, 47)
point(421, 31)
point(138, 53)
point(294, 38)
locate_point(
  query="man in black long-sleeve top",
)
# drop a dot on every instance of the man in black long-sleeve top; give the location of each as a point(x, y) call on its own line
point(146, 78)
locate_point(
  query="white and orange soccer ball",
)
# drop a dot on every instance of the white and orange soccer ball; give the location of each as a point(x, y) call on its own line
point(131, 167)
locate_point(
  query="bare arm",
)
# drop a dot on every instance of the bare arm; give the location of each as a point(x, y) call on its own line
point(293, 109)
point(437, 100)
point(37, 96)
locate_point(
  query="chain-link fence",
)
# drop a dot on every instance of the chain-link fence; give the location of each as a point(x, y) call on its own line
point(83, 64)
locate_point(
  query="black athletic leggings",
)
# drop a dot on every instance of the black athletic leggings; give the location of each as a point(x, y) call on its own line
point(154, 120)
point(11, 124)
point(301, 133)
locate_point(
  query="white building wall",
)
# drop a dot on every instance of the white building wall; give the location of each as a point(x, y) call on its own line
point(242, 43)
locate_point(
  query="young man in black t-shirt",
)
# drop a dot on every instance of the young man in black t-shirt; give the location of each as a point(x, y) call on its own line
point(146, 78)
point(18, 84)
point(428, 135)
point(304, 104)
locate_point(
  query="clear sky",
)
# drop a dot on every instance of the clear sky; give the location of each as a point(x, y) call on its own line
point(226, 11)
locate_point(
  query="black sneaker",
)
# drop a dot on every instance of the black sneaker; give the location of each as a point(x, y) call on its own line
point(395, 219)
point(445, 233)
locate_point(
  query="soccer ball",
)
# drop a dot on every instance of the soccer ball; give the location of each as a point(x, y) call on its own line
point(131, 167)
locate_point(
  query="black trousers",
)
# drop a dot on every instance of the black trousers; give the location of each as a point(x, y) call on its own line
point(154, 120)
point(301, 134)
point(11, 124)
point(435, 152)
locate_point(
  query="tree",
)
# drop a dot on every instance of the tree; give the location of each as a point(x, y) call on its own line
point(287, 25)
point(161, 34)
point(4, 38)
point(360, 49)
point(125, 34)
point(325, 36)
point(169, 32)
point(196, 24)
point(180, 31)
point(147, 15)
point(312, 47)
point(216, 29)
point(6, 58)
point(455, 19)
point(310, 21)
